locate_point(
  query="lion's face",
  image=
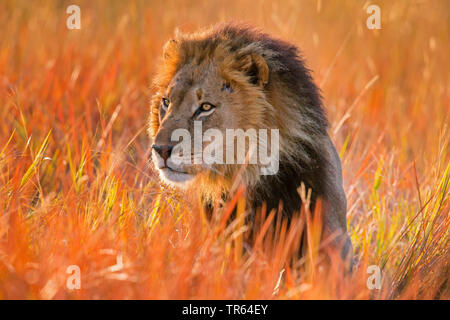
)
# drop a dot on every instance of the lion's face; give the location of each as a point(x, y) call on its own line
point(213, 98)
point(198, 105)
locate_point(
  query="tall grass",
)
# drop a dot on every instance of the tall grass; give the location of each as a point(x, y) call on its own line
point(76, 187)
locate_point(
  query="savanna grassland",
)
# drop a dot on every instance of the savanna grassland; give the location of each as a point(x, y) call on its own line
point(76, 187)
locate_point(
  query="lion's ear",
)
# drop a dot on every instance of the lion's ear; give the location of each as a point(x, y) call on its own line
point(255, 67)
point(170, 48)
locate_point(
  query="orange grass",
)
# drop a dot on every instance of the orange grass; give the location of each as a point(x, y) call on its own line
point(76, 187)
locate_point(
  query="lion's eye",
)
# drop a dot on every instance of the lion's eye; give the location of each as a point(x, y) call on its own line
point(165, 103)
point(204, 110)
point(206, 106)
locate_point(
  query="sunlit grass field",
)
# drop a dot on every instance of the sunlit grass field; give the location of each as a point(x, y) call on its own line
point(76, 186)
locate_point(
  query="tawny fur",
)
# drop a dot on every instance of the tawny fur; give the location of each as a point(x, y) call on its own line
point(272, 88)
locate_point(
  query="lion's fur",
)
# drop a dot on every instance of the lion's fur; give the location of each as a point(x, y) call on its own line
point(279, 93)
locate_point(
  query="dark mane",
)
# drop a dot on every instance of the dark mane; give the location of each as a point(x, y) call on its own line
point(294, 73)
point(297, 79)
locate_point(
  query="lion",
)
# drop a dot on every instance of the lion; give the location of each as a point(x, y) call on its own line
point(233, 76)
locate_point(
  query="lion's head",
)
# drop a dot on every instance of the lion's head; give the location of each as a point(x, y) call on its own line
point(231, 78)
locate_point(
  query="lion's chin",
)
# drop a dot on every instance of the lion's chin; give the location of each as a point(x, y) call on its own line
point(175, 178)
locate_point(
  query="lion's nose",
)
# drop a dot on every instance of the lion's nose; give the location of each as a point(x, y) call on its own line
point(163, 150)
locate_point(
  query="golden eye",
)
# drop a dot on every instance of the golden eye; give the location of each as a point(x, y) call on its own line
point(206, 106)
point(204, 110)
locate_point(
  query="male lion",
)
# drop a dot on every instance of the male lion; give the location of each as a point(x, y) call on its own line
point(235, 77)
